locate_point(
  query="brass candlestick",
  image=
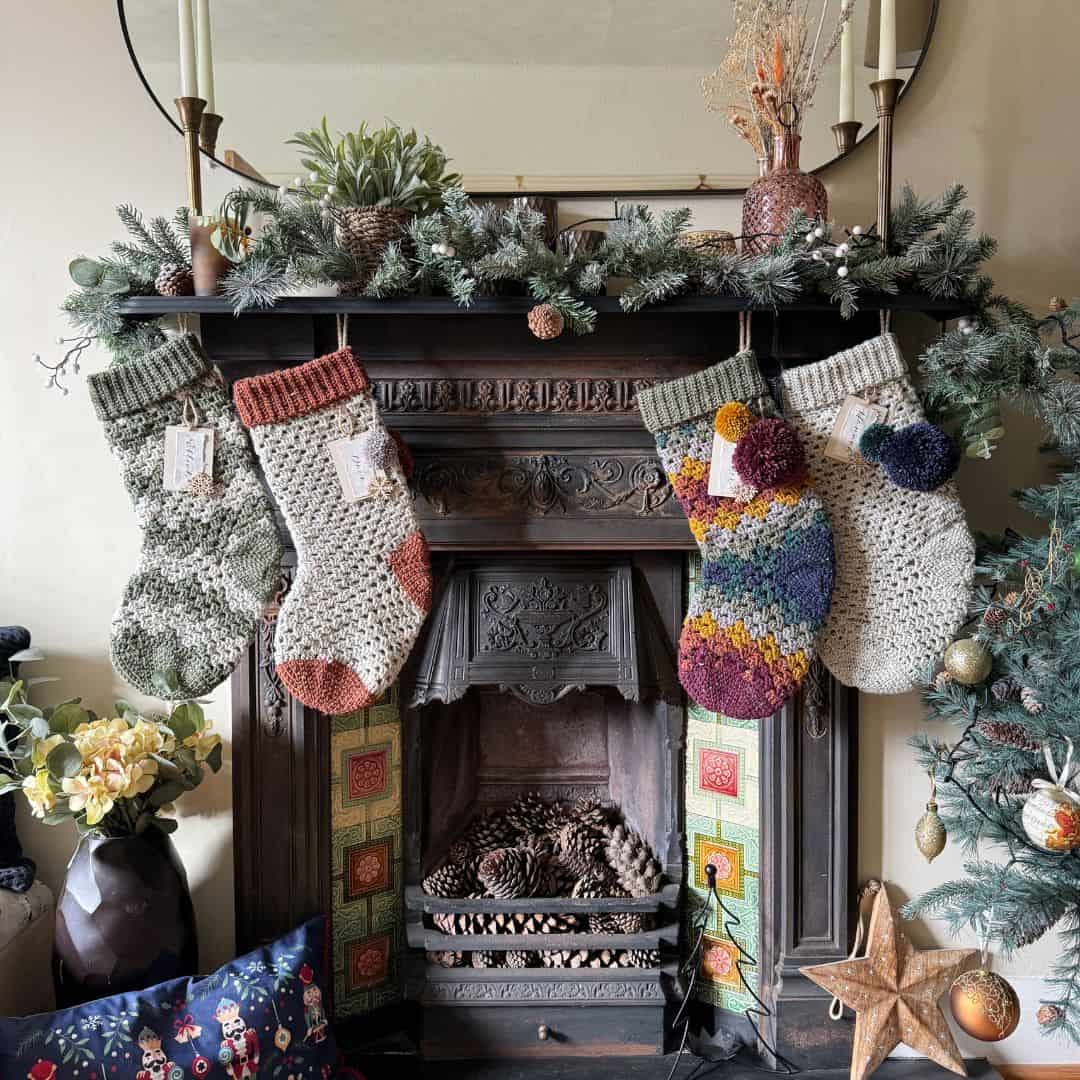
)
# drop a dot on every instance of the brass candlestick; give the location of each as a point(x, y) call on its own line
point(208, 131)
point(846, 134)
point(191, 113)
point(886, 92)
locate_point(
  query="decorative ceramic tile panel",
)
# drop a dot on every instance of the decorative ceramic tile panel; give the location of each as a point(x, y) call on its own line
point(367, 918)
point(723, 828)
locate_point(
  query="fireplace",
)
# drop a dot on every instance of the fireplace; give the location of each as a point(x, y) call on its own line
point(550, 680)
point(546, 666)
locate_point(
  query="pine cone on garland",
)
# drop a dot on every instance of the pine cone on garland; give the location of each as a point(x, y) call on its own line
point(1030, 701)
point(638, 871)
point(995, 617)
point(488, 831)
point(546, 321)
point(941, 680)
point(173, 280)
point(1007, 733)
point(507, 873)
point(1004, 688)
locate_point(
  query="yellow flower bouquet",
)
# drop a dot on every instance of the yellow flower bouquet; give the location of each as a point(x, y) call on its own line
point(113, 777)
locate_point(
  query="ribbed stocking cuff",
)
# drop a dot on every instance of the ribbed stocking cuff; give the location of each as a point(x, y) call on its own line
point(298, 391)
point(829, 381)
point(127, 388)
point(679, 400)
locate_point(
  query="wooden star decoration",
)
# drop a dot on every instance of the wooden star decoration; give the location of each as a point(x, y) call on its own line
point(894, 990)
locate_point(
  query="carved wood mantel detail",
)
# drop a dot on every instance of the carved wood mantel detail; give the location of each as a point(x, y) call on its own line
point(509, 395)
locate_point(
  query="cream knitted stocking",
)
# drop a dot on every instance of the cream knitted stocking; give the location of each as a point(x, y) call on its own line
point(363, 582)
point(904, 559)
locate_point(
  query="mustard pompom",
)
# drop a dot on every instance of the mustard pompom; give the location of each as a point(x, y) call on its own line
point(733, 421)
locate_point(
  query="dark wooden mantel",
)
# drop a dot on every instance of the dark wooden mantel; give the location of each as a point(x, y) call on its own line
point(538, 447)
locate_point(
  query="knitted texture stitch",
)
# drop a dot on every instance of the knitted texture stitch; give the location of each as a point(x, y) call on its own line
point(905, 559)
point(363, 581)
point(766, 577)
point(208, 564)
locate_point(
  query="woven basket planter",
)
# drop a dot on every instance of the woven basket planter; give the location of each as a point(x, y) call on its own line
point(366, 232)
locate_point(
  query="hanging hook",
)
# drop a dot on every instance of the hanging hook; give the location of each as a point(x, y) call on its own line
point(342, 330)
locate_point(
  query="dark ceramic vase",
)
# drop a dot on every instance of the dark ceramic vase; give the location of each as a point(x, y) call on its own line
point(124, 918)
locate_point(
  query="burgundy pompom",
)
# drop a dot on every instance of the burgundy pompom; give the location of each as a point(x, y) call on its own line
point(769, 455)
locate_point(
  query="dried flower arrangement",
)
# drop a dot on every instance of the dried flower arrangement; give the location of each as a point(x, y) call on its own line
point(767, 78)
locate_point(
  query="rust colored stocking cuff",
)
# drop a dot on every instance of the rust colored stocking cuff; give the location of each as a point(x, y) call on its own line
point(298, 391)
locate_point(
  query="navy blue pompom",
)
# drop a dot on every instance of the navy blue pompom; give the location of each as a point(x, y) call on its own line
point(919, 457)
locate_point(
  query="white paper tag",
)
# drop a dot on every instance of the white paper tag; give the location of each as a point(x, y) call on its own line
point(723, 479)
point(354, 469)
point(854, 418)
point(188, 452)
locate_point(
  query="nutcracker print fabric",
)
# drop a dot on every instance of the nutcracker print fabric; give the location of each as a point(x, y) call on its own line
point(260, 1016)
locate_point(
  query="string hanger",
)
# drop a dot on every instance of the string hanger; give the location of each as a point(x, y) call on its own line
point(745, 318)
point(342, 331)
point(867, 892)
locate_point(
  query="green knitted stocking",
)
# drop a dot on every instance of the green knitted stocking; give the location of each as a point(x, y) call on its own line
point(211, 552)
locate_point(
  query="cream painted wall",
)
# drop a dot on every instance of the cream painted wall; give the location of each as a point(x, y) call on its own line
point(997, 91)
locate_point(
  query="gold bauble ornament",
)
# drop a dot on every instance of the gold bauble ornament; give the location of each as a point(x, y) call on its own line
point(984, 1005)
point(968, 662)
point(930, 834)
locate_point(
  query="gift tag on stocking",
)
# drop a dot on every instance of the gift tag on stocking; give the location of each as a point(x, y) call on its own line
point(854, 418)
point(354, 469)
point(723, 479)
point(189, 452)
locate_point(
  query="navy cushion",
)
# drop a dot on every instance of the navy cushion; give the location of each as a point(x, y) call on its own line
point(261, 1015)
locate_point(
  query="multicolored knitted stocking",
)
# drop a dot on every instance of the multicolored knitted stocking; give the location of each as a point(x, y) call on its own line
point(363, 581)
point(766, 579)
point(905, 558)
point(211, 554)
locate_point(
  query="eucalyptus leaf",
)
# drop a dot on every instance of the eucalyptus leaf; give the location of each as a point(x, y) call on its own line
point(7, 786)
point(166, 768)
point(115, 282)
point(85, 272)
point(143, 822)
point(167, 793)
point(185, 720)
point(39, 727)
point(24, 713)
point(64, 760)
point(213, 759)
point(166, 825)
point(57, 817)
point(67, 717)
point(167, 683)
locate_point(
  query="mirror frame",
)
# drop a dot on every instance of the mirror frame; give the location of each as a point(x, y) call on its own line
point(559, 193)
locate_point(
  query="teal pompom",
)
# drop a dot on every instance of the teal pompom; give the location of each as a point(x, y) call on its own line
point(873, 441)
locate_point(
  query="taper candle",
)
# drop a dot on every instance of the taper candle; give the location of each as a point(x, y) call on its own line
point(206, 57)
point(887, 41)
point(847, 69)
point(187, 50)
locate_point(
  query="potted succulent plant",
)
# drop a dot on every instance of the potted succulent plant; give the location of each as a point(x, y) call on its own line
point(377, 180)
point(218, 242)
point(124, 917)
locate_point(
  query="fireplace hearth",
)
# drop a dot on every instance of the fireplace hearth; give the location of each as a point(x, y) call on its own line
point(546, 666)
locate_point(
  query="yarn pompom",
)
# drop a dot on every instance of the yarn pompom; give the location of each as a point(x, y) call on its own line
point(733, 421)
point(873, 441)
point(919, 457)
point(769, 455)
point(379, 448)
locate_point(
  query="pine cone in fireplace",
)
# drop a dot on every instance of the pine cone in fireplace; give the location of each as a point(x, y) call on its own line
point(488, 831)
point(639, 958)
point(572, 958)
point(474, 922)
point(580, 848)
point(484, 958)
point(518, 958)
point(532, 816)
point(507, 873)
point(637, 868)
point(450, 881)
point(546, 922)
point(590, 812)
point(446, 958)
point(608, 922)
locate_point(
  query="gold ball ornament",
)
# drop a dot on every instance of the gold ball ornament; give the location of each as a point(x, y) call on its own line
point(930, 833)
point(968, 662)
point(984, 1005)
point(1051, 818)
point(546, 321)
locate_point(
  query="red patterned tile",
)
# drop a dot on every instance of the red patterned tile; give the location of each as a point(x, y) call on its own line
point(718, 771)
point(369, 962)
point(367, 774)
point(369, 868)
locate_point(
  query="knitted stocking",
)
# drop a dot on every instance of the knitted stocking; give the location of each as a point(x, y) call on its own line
point(211, 555)
point(767, 573)
point(363, 582)
point(905, 559)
